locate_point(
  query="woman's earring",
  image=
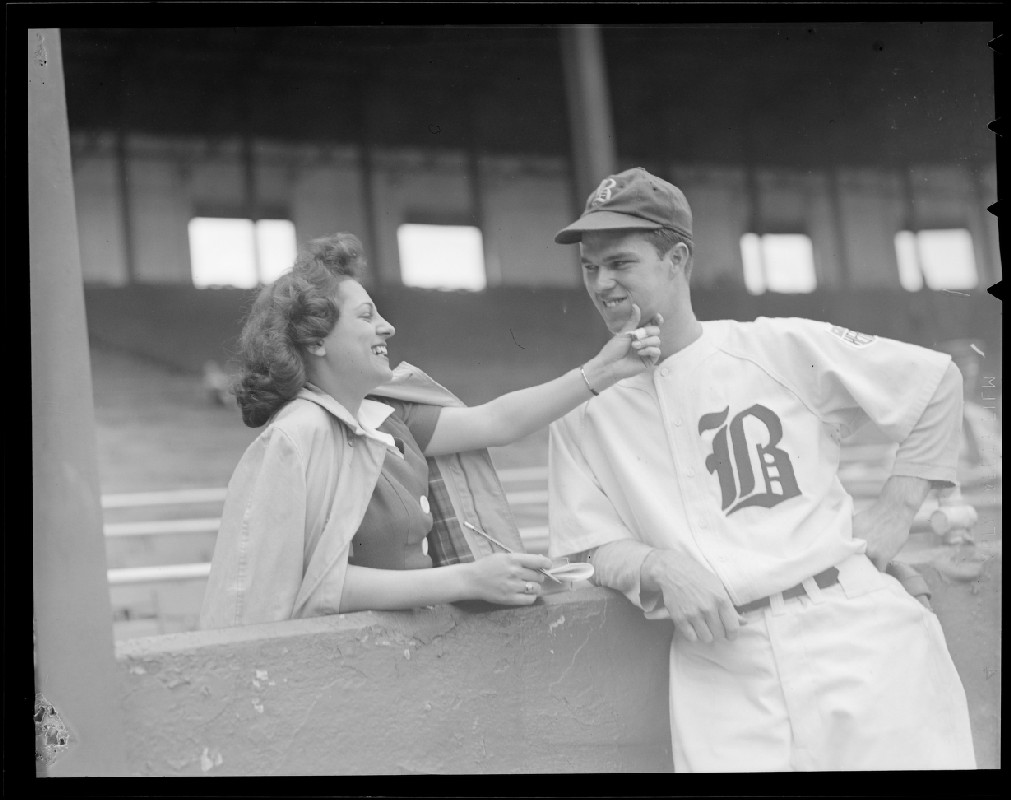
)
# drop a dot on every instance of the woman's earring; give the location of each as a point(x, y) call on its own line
point(318, 349)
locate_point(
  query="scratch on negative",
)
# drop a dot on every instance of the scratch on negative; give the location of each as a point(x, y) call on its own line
point(952, 291)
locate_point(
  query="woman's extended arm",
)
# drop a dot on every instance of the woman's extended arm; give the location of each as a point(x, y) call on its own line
point(516, 414)
point(500, 578)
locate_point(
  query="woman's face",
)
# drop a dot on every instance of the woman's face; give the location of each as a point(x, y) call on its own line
point(356, 347)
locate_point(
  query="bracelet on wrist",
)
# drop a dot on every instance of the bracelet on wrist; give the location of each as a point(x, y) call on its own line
point(586, 380)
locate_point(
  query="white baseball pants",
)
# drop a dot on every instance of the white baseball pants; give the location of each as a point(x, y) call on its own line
point(853, 677)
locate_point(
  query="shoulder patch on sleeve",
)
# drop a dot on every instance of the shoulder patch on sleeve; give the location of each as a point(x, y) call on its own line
point(854, 338)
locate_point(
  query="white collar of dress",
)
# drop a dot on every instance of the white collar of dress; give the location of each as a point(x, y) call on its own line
point(371, 414)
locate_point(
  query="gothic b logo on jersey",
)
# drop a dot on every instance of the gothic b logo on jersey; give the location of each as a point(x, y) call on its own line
point(731, 458)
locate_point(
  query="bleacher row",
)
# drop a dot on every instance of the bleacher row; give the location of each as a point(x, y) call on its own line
point(159, 544)
point(534, 536)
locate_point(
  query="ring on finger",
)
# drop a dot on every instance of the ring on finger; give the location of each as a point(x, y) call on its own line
point(639, 334)
point(529, 587)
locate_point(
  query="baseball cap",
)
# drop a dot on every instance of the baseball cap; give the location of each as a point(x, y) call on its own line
point(633, 199)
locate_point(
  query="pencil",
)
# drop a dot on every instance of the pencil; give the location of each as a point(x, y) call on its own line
point(495, 541)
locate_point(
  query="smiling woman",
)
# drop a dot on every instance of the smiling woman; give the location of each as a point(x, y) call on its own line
point(329, 509)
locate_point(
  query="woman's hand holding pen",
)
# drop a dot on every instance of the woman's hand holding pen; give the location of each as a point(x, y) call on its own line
point(507, 578)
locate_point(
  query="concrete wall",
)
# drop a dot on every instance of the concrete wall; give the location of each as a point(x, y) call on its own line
point(524, 201)
point(576, 683)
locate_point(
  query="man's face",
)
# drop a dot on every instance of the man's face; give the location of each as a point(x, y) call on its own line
point(621, 268)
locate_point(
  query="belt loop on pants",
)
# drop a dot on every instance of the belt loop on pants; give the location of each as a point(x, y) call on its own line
point(820, 581)
point(812, 588)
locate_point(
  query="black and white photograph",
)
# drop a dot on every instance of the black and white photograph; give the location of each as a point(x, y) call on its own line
point(448, 398)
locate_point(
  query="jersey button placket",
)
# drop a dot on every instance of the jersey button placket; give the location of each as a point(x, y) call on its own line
point(677, 439)
point(685, 449)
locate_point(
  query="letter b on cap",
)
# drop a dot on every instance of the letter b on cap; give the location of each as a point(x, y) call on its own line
point(603, 193)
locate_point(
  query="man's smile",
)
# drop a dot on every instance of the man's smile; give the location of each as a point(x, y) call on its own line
point(613, 302)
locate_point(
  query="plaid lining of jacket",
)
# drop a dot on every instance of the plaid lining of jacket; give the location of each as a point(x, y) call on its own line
point(461, 486)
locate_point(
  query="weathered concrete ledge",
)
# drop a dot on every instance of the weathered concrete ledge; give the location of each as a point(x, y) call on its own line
point(575, 683)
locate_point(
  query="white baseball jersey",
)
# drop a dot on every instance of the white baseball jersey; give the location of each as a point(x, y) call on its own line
point(730, 448)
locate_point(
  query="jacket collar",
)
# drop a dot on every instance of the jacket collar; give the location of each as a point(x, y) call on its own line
point(371, 414)
point(411, 385)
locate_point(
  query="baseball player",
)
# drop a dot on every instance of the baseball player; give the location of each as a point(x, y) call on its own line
point(706, 490)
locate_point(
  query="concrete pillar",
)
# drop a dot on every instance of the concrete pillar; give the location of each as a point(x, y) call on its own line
point(76, 666)
point(125, 204)
point(593, 146)
point(842, 276)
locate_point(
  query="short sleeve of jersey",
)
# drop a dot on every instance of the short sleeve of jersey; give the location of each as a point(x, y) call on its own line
point(846, 377)
point(420, 419)
point(580, 516)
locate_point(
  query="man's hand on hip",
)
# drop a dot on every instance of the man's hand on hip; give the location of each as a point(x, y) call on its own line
point(695, 598)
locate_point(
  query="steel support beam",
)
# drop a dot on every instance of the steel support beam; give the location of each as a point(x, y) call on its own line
point(590, 124)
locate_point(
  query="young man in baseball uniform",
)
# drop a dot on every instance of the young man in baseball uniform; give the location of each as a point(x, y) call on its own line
point(706, 490)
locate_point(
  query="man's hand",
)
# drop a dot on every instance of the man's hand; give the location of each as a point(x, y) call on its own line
point(696, 599)
point(885, 525)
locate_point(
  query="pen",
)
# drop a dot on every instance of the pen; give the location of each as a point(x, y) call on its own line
point(495, 541)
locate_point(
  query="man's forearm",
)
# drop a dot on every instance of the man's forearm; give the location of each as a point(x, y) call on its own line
point(619, 565)
point(904, 493)
point(885, 524)
point(669, 583)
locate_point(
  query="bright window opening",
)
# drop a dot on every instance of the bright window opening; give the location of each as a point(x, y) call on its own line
point(240, 252)
point(442, 257)
point(942, 258)
point(778, 262)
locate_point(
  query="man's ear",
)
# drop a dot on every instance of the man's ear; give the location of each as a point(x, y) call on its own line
point(677, 256)
point(671, 259)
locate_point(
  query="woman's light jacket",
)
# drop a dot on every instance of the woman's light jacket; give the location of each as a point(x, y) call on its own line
point(299, 494)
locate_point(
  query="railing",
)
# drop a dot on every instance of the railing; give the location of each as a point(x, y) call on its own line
point(534, 536)
point(861, 480)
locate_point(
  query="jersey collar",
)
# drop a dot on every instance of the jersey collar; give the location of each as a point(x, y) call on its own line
point(684, 360)
point(690, 356)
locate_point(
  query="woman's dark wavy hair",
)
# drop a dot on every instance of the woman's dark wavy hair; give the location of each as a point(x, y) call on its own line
point(288, 316)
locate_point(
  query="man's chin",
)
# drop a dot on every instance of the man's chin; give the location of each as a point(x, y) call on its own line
point(613, 322)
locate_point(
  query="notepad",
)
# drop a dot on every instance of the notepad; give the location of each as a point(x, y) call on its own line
point(570, 572)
